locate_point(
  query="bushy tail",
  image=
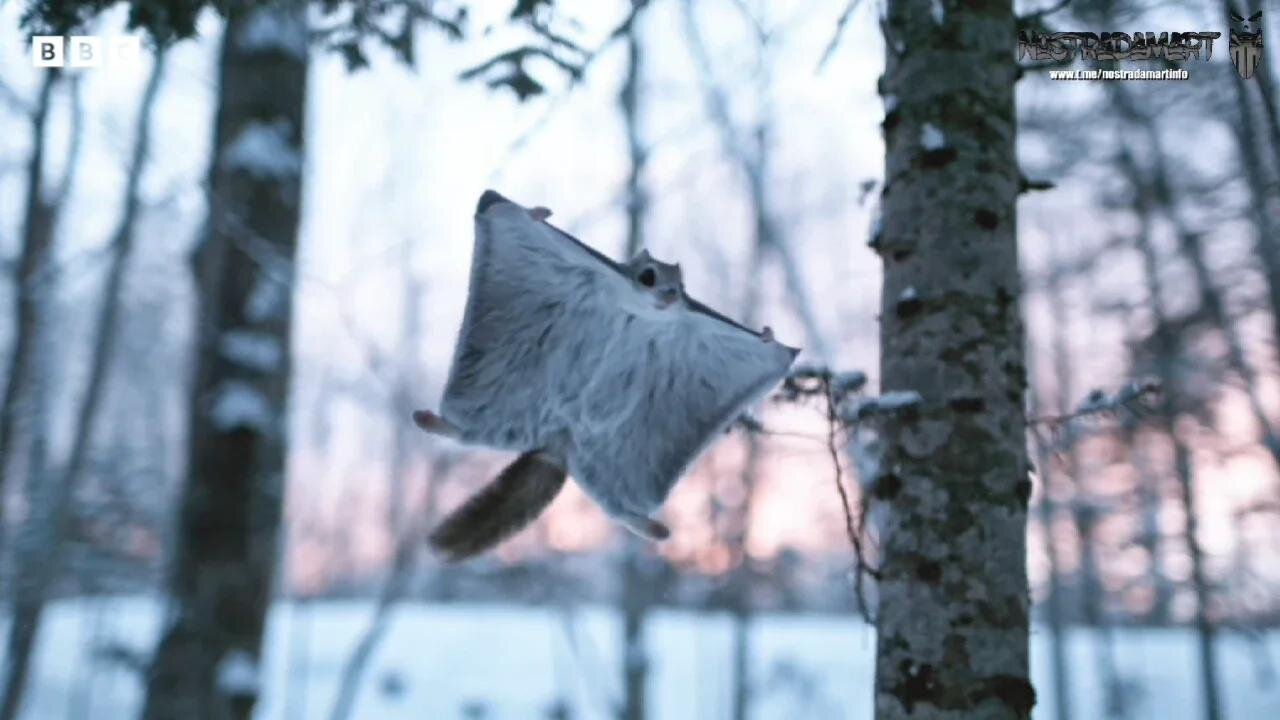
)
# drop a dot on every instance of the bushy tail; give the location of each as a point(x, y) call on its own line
point(502, 508)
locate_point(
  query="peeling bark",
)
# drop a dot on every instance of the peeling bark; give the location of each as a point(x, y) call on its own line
point(953, 610)
point(220, 577)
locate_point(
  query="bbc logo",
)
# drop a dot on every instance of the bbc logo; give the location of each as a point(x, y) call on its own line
point(85, 51)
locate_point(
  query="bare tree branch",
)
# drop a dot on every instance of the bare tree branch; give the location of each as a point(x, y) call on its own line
point(752, 164)
point(835, 37)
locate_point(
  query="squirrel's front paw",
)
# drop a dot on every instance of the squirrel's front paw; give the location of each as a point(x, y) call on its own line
point(434, 424)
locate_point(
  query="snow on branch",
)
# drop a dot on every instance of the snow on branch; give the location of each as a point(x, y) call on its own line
point(264, 150)
point(835, 390)
point(274, 28)
point(252, 349)
point(238, 404)
point(237, 674)
point(856, 410)
point(931, 138)
point(1132, 398)
point(851, 417)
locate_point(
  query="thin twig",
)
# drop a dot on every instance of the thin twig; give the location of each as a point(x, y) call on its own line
point(1129, 398)
point(835, 37)
point(861, 567)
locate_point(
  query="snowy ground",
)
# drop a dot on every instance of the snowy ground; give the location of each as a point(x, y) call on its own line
point(434, 661)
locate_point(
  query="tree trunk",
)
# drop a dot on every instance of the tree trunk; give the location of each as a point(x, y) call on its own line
point(629, 101)
point(1206, 632)
point(37, 237)
point(953, 611)
point(16, 419)
point(405, 531)
point(635, 590)
point(40, 551)
point(1048, 511)
point(393, 590)
point(1262, 185)
point(1085, 515)
point(1150, 500)
point(220, 578)
point(1168, 351)
point(1093, 594)
point(1054, 602)
point(1157, 182)
point(635, 607)
point(763, 239)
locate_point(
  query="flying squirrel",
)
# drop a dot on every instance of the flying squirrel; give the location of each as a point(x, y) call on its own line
point(608, 372)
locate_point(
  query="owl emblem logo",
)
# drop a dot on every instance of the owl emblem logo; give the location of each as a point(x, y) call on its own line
point(1246, 43)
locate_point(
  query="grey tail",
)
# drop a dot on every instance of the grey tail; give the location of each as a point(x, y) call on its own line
point(502, 508)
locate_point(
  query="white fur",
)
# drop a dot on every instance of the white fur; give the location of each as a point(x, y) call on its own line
point(559, 350)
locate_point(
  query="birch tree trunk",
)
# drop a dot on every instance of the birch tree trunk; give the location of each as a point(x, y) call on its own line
point(220, 579)
point(952, 624)
point(636, 591)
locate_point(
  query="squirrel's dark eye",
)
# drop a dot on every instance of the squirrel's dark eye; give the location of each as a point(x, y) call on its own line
point(648, 277)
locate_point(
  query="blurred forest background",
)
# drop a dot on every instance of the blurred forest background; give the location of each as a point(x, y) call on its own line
point(257, 248)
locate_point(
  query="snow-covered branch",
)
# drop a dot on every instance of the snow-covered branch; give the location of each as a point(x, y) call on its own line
point(1133, 398)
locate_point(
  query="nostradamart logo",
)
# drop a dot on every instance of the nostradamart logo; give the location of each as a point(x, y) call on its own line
point(1063, 46)
point(84, 51)
point(1246, 43)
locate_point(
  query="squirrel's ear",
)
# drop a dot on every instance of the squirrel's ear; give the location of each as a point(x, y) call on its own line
point(642, 256)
